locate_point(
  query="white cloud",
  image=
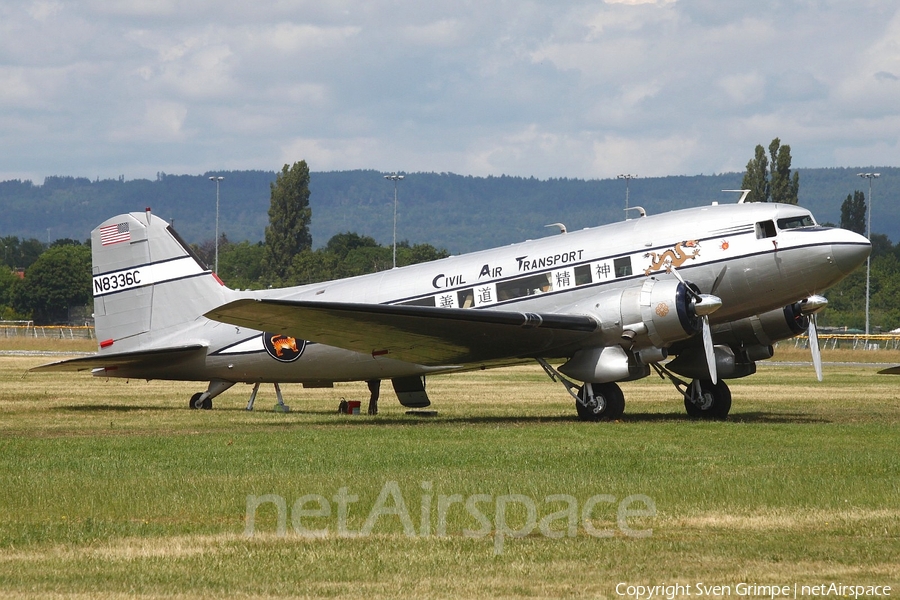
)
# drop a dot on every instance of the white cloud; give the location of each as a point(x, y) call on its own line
point(161, 122)
point(579, 89)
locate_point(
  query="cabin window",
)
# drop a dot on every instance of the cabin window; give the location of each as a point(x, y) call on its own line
point(582, 274)
point(429, 301)
point(523, 286)
point(622, 266)
point(796, 222)
point(765, 229)
point(466, 298)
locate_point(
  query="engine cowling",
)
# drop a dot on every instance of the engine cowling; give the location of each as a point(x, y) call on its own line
point(642, 318)
point(655, 313)
point(765, 329)
point(739, 344)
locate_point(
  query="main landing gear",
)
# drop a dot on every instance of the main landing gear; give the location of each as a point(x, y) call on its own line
point(600, 401)
point(593, 401)
point(605, 402)
point(703, 399)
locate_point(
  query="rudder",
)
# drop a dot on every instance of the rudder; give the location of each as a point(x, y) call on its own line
point(146, 282)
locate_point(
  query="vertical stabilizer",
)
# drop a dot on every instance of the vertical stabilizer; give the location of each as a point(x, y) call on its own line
point(147, 283)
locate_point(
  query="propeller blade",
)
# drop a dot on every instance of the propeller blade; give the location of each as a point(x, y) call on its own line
point(709, 350)
point(718, 280)
point(814, 346)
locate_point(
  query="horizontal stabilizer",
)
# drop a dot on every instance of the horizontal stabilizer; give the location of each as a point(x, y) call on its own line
point(420, 334)
point(890, 371)
point(143, 358)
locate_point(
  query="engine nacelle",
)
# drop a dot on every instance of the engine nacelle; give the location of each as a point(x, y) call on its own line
point(604, 364)
point(637, 325)
point(692, 363)
point(765, 329)
point(654, 314)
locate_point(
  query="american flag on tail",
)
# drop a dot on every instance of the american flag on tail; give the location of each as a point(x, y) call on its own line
point(113, 234)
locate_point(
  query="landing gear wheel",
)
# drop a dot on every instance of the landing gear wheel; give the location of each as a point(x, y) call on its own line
point(712, 402)
point(607, 402)
point(195, 403)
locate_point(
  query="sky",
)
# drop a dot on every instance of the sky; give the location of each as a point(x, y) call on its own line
point(584, 89)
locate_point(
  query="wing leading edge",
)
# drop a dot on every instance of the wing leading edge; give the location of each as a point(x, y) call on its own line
point(420, 334)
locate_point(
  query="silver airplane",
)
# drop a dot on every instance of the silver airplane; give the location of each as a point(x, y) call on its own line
point(701, 293)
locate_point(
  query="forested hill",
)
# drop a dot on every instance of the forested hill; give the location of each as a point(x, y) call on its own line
point(456, 212)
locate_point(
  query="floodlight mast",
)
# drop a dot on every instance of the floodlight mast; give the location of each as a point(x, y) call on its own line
point(627, 177)
point(395, 178)
point(217, 180)
point(870, 177)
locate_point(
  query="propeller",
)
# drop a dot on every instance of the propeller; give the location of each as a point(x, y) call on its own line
point(810, 307)
point(705, 305)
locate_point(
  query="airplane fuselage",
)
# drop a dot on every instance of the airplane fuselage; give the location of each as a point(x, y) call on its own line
point(772, 255)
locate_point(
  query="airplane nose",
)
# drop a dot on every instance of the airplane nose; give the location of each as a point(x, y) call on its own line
point(851, 252)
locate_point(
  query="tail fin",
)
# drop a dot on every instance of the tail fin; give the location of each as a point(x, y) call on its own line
point(147, 283)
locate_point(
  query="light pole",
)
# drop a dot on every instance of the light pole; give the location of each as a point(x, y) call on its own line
point(870, 177)
point(627, 177)
point(217, 180)
point(395, 178)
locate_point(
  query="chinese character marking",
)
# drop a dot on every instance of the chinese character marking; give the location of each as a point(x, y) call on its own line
point(484, 295)
point(562, 279)
point(446, 301)
point(603, 271)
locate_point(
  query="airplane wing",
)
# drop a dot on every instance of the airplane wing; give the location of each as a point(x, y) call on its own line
point(420, 334)
point(890, 371)
point(144, 358)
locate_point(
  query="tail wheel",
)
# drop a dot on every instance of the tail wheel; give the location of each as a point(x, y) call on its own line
point(705, 400)
point(196, 402)
point(600, 401)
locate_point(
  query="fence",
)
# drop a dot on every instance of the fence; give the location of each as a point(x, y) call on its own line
point(26, 329)
point(854, 341)
point(851, 341)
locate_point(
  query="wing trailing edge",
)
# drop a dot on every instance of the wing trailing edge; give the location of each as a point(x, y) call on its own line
point(161, 357)
point(420, 334)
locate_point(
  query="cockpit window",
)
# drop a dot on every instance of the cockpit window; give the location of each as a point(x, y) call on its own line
point(796, 222)
point(765, 229)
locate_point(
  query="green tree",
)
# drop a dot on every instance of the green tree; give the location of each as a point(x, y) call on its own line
point(769, 178)
point(58, 280)
point(240, 265)
point(8, 280)
point(853, 213)
point(342, 244)
point(18, 253)
point(756, 178)
point(350, 254)
point(783, 186)
point(289, 215)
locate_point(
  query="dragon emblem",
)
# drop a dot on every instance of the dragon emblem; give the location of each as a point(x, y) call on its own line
point(673, 257)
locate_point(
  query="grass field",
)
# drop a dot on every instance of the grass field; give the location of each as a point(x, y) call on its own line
point(116, 489)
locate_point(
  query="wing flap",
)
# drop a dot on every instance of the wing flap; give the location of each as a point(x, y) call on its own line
point(420, 334)
point(161, 357)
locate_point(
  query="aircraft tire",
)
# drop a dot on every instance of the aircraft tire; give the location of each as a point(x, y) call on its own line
point(716, 401)
point(192, 404)
point(207, 404)
point(614, 405)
